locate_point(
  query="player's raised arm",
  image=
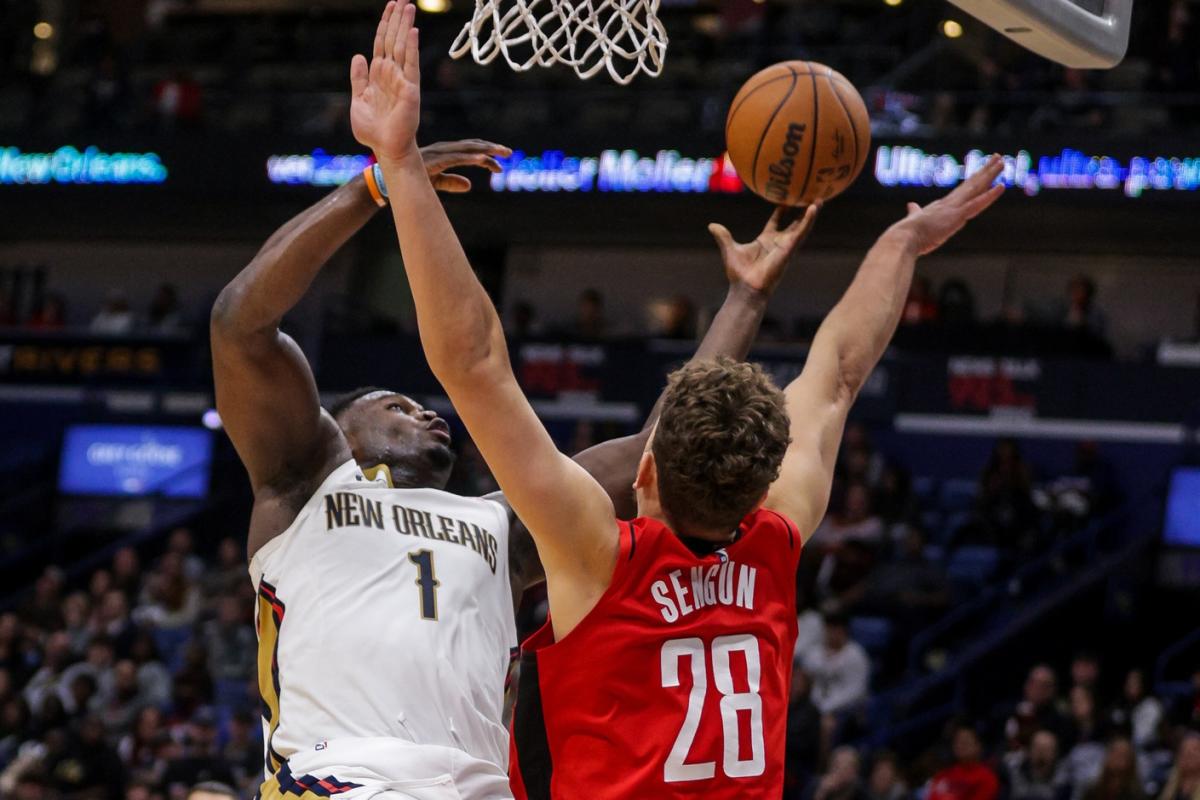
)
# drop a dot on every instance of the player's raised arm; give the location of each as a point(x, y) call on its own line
point(754, 270)
point(265, 390)
point(853, 338)
point(568, 513)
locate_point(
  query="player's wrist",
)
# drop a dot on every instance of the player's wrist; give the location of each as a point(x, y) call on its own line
point(905, 236)
point(376, 186)
point(752, 296)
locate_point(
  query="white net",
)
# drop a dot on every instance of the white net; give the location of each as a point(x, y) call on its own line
point(623, 36)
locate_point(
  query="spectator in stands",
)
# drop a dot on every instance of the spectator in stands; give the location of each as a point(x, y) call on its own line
point(75, 614)
point(956, 304)
point(44, 609)
point(803, 734)
point(110, 618)
point(1176, 68)
point(858, 459)
point(199, 760)
point(1119, 778)
point(921, 306)
point(232, 646)
point(124, 702)
point(968, 778)
point(127, 573)
point(1037, 709)
point(228, 576)
point(115, 318)
point(1079, 311)
point(97, 666)
point(673, 318)
point(1184, 781)
point(171, 600)
point(855, 522)
point(1137, 711)
point(1085, 757)
point(810, 626)
point(840, 672)
point(1035, 773)
point(843, 779)
point(165, 315)
point(1004, 511)
point(522, 321)
point(893, 499)
point(154, 680)
point(243, 750)
point(141, 748)
point(1085, 671)
point(909, 589)
point(50, 314)
point(885, 781)
point(43, 685)
point(181, 543)
point(589, 323)
point(83, 764)
point(178, 101)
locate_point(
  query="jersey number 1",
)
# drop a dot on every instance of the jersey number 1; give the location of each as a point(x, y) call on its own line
point(427, 582)
point(677, 769)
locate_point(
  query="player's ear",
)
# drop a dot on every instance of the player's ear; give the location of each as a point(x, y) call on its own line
point(647, 473)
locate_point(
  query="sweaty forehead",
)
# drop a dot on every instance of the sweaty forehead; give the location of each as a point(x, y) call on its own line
point(372, 397)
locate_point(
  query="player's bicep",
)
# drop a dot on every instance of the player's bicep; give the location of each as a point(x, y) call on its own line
point(269, 406)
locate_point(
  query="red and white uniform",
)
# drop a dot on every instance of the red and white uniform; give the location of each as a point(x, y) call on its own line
point(676, 684)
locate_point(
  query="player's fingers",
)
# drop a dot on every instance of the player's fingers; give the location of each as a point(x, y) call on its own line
point(393, 29)
point(381, 30)
point(776, 222)
point(400, 44)
point(412, 57)
point(802, 227)
point(456, 184)
point(358, 75)
point(722, 235)
point(980, 204)
point(913, 208)
point(484, 146)
point(980, 182)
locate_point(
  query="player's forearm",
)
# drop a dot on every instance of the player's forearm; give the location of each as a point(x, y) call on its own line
point(866, 318)
point(461, 333)
point(284, 269)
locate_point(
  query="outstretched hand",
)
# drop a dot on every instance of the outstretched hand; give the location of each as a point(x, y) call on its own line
point(759, 265)
point(934, 225)
point(385, 107)
point(442, 156)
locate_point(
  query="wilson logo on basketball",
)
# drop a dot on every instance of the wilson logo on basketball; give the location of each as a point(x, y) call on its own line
point(780, 180)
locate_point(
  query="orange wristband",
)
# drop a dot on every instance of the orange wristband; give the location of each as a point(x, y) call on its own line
point(373, 186)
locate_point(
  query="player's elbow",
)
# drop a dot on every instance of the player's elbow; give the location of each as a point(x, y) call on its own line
point(231, 319)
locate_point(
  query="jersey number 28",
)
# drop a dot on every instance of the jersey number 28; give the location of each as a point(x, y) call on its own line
point(676, 769)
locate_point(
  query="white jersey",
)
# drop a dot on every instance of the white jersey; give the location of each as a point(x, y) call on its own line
point(385, 619)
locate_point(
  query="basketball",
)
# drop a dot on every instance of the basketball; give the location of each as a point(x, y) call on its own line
point(798, 132)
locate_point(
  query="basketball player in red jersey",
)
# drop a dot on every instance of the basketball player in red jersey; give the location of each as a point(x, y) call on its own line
point(663, 671)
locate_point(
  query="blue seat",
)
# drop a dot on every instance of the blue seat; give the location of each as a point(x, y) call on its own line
point(973, 565)
point(958, 494)
point(171, 643)
point(873, 633)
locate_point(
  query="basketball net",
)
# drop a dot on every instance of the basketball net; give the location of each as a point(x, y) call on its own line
point(623, 36)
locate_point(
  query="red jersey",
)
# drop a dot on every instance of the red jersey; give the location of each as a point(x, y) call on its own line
point(965, 782)
point(676, 684)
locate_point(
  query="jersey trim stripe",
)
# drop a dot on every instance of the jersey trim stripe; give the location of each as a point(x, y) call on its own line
point(271, 611)
point(632, 540)
point(285, 786)
point(789, 525)
point(534, 764)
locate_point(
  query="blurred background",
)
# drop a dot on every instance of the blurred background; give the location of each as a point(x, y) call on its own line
point(1004, 598)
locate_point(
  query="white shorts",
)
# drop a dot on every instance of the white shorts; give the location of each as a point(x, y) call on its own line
point(385, 769)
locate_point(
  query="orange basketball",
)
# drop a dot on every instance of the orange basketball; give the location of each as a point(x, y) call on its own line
point(798, 132)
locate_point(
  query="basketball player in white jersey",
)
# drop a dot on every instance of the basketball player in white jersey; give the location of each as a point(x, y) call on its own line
point(386, 604)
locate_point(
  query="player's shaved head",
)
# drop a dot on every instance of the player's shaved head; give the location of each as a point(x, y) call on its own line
point(343, 401)
point(212, 790)
point(719, 445)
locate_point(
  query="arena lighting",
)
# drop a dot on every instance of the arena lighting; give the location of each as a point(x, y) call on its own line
point(952, 29)
point(43, 30)
point(434, 6)
point(892, 3)
point(908, 166)
point(68, 165)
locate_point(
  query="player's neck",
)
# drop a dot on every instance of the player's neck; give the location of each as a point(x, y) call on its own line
point(404, 476)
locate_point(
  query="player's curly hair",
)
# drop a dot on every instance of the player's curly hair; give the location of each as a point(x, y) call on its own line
point(721, 438)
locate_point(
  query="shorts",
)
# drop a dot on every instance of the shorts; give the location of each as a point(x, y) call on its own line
point(385, 769)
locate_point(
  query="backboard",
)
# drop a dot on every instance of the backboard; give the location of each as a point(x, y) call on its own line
point(1089, 34)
